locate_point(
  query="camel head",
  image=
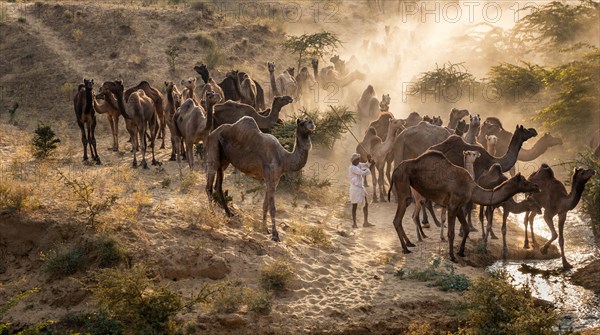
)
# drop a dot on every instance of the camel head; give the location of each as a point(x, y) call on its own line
point(525, 133)
point(470, 156)
point(461, 127)
point(521, 184)
point(233, 74)
point(314, 63)
point(169, 86)
point(203, 72)
point(189, 83)
point(457, 114)
point(282, 100)
point(290, 70)
point(305, 127)
point(493, 174)
point(437, 121)
point(385, 99)
point(491, 139)
point(427, 118)
point(271, 67)
point(336, 60)
point(212, 97)
point(88, 84)
point(115, 87)
point(582, 175)
point(550, 140)
point(396, 124)
point(475, 121)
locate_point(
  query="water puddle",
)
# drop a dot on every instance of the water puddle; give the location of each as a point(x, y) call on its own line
point(579, 308)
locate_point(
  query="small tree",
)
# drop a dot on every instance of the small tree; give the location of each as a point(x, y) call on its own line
point(44, 141)
point(172, 53)
point(312, 45)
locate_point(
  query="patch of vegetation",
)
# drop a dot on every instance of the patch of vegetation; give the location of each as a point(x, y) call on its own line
point(214, 57)
point(277, 276)
point(312, 234)
point(133, 298)
point(229, 299)
point(109, 251)
point(13, 196)
point(258, 301)
point(44, 142)
point(12, 301)
point(189, 181)
point(444, 278)
point(514, 83)
point(172, 53)
point(591, 194)
point(64, 260)
point(314, 45)
point(496, 307)
point(205, 40)
point(448, 78)
point(84, 191)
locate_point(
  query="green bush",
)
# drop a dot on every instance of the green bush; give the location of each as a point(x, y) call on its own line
point(591, 194)
point(44, 142)
point(258, 301)
point(229, 299)
point(214, 57)
point(444, 278)
point(65, 260)
point(109, 251)
point(277, 276)
point(141, 305)
point(102, 323)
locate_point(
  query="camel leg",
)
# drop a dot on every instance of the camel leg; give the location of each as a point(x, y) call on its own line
point(134, 147)
point(425, 222)
point(548, 216)
point(489, 230)
point(400, 210)
point(144, 144)
point(116, 121)
point(451, 226)
point(531, 217)
point(526, 245)
point(465, 227)
point(173, 145)
point(381, 172)
point(443, 217)
point(153, 132)
point(388, 168)
point(93, 140)
point(504, 246)
point(266, 206)
point(273, 211)
point(561, 240)
point(415, 217)
point(429, 206)
point(489, 214)
point(189, 147)
point(220, 195)
point(83, 139)
point(162, 125)
point(374, 179)
point(112, 130)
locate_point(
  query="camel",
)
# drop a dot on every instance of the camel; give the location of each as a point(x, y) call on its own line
point(456, 115)
point(236, 144)
point(285, 83)
point(469, 158)
point(245, 87)
point(545, 142)
point(329, 76)
point(474, 125)
point(491, 142)
point(230, 112)
point(109, 107)
point(173, 103)
point(140, 110)
point(189, 90)
point(437, 179)
point(413, 119)
point(339, 64)
point(86, 118)
point(461, 128)
point(364, 148)
point(379, 151)
point(511, 206)
point(315, 66)
point(556, 201)
point(367, 106)
point(454, 146)
point(231, 92)
point(489, 179)
point(192, 126)
point(210, 85)
point(157, 98)
point(493, 126)
point(274, 89)
point(306, 82)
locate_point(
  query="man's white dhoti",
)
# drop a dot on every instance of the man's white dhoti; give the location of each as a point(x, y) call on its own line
point(357, 187)
point(357, 194)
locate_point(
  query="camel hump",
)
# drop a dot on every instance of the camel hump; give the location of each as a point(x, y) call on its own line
point(433, 154)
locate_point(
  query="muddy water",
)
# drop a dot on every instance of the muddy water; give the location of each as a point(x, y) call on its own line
point(579, 308)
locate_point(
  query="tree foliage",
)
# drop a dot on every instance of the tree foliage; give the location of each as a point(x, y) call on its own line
point(44, 141)
point(449, 76)
point(312, 45)
point(514, 83)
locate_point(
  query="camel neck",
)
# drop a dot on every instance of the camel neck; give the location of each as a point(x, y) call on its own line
point(491, 149)
point(577, 188)
point(274, 114)
point(89, 103)
point(492, 197)
point(121, 104)
point(538, 149)
point(297, 159)
point(510, 157)
point(273, 84)
point(453, 123)
point(205, 78)
point(209, 116)
point(470, 169)
point(389, 139)
point(471, 136)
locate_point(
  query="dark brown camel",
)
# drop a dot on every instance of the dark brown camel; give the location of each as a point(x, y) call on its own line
point(86, 118)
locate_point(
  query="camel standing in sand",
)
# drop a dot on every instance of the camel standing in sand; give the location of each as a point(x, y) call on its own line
point(192, 126)
point(158, 101)
point(110, 109)
point(230, 112)
point(437, 179)
point(140, 111)
point(245, 87)
point(174, 98)
point(284, 83)
point(237, 144)
point(306, 83)
point(556, 201)
point(86, 118)
point(491, 143)
point(474, 125)
point(367, 106)
point(379, 150)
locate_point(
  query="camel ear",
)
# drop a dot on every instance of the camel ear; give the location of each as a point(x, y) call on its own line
point(297, 121)
point(120, 82)
point(166, 83)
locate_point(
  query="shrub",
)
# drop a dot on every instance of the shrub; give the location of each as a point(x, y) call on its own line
point(229, 299)
point(258, 301)
point(591, 194)
point(109, 251)
point(102, 323)
point(44, 142)
point(205, 41)
point(65, 260)
point(141, 305)
point(13, 196)
point(444, 279)
point(214, 57)
point(277, 276)
point(172, 53)
point(312, 234)
point(12, 301)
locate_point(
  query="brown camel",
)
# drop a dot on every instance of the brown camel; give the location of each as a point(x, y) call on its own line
point(474, 126)
point(189, 90)
point(111, 110)
point(306, 83)
point(556, 201)
point(413, 119)
point(158, 100)
point(245, 87)
point(329, 76)
point(511, 206)
point(192, 126)
point(461, 128)
point(437, 179)
point(545, 142)
point(173, 103)
point(367, 106)
point(364, 148)
point(230, 112)
point(86, 118)
point(456, 115)
point(236, 144)
point(140, 111)
point(210, 85)
point(379, 151)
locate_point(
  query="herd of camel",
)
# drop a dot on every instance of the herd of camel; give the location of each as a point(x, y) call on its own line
point(454, 166)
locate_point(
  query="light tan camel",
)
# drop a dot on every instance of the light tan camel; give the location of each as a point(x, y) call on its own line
point(544, 143)
point(210, 85)
point(286, 83)
point(140, 111)
point(491, 142)
point(236, 144)
point(192, 126)
point(274, 89)
point(367, 106)
point(111, 110)
point(329, 76)
point(189, 90)
point(379, 150)
point(437, 179)
point(158, 100)
point(173, 103)
point(306, 83)
point(230, 112)
point(83, 102)
point(556, 201)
